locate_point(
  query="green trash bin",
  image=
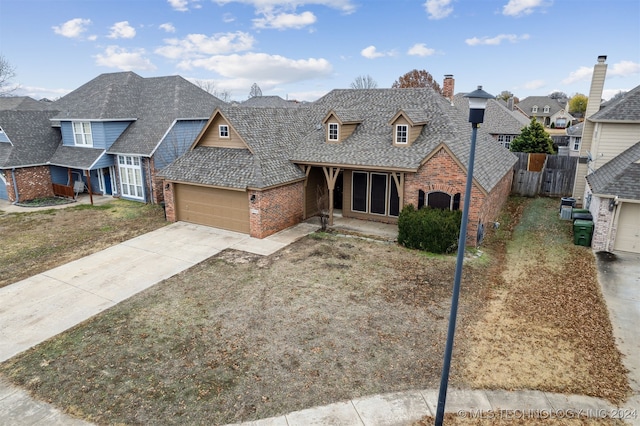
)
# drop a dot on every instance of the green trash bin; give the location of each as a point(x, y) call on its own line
point(582, 232)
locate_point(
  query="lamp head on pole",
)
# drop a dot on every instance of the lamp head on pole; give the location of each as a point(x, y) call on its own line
point(477, 104)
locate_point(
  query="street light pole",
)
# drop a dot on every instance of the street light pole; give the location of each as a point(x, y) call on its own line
point(477, 104)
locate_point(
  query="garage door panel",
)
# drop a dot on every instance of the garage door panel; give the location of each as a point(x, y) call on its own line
point(220, 208)
point(628, 232)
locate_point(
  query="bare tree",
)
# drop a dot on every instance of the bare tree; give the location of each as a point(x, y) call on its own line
point(364, 82)
point(7, 72)
point(210, 86)
point(255, 91)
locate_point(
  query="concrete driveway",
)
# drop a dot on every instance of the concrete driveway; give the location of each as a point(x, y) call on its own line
point(49, 303)
point(619, 276)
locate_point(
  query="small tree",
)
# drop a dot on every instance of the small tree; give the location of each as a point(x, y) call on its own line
point(7, 72)
point(505, 95)
point(417, 78)
point(364, 82)
point(322, 198)
point(558, 95)
point(533, 139)
point(255, 91)
point(210, 86)
point(578, 104)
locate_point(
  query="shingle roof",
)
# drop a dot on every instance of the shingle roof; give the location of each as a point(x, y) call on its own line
point(498, 119)
point(155, 103)
point(620, 176)
point(22, 103)
point(270, 102)
point(371, 143)
point(33, 139)
point(281, 137)
point(575, 130)
point(626, 108)
point(526, 105)
point(76, 157)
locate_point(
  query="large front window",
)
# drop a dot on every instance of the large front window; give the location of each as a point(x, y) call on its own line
point(130, 176)
point(82, 133)
point(374, 193)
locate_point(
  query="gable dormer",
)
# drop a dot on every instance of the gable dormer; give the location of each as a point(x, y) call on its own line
point(219, 133)
point(407, 126)
point(339, 125)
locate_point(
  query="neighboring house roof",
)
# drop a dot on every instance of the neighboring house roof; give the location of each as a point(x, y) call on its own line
point(152, 104)
point(498, 119)
point(270, 102)
point(32, 138)
point(371, 143)
point(269, 134)
point(22, 103)
point(620, 176)
point(575, 130)
point(526, 106)
point(626, 108)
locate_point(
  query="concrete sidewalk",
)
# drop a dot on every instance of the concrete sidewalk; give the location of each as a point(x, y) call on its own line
point(46, 304)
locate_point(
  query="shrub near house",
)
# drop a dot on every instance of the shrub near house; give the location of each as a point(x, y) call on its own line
point(429, 229)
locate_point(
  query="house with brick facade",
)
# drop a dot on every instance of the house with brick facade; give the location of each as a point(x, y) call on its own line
point(108, 137)
point(372, 151)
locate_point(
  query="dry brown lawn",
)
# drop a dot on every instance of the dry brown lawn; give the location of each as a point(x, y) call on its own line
point(240, 337)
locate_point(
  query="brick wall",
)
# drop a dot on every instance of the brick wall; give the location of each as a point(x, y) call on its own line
point(32, 182)
point(442, 173)
point(495, 200)
point(275, 209)
point(169, 202)
point(602, 219)
point(156, 190)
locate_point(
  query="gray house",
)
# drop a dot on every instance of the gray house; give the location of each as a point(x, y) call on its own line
point(549, 112)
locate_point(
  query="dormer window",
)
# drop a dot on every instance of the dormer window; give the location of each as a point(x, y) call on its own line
point(82, 133)
point(223, 130)
point(333, 134)
point(546, 108)
point(402, 132)
point(534, 109)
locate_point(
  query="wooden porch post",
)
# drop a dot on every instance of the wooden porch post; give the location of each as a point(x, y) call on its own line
point(399, 181)
point(331, 174)
point(88, 174)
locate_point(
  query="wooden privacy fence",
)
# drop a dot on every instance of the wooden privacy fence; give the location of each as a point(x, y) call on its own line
point(543, 174)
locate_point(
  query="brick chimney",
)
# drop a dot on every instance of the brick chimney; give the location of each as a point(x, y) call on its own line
point(597, 87)
point(448, 86)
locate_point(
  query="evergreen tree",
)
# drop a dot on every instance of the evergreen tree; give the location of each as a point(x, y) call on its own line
point(533, 139)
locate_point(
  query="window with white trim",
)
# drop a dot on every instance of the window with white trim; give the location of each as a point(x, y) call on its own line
point(534, 109)
point(505, 140)
point(82, 133)
point(130, 176)
point(223, 130)
point(546, 108)
point(576, 143)
point(402, 132)
point(333, 132)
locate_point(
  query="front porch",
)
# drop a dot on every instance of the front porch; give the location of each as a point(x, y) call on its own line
point(361, 227)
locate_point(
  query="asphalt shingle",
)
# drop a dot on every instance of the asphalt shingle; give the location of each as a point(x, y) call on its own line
point(32, 138)
point(620, 176)
point(626, 108)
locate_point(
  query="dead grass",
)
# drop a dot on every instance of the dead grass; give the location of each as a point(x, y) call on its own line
point(241, 337)
point(36, 241)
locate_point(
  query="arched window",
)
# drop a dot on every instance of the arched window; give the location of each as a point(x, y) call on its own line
point(456, 202)
point(420, 199)
point(439, 200)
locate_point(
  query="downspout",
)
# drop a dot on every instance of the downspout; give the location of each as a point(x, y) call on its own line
point(15, 185)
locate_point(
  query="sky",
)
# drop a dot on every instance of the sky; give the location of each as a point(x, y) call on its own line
point(302, 49)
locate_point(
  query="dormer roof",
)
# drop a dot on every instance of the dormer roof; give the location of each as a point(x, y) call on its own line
point(415, 116)
point(344, 116)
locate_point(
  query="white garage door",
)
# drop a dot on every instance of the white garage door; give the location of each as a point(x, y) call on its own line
point(628, 233)
point(220, 208)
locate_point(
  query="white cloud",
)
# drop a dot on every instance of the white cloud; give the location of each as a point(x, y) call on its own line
point(184, 5)
point(521, 7)
point(285, 20)
point(197, 45)
point(73, 28)
point(534, 84)
point(261, 67)
point(623, 69)
point(494, 41)
point(122, 30)
point(168, 27)
point(126, 60)
point(581, 74)
point(227, 17)
point(438, 9)
point(263, 6)
point(419, 49)
point(371, 53)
